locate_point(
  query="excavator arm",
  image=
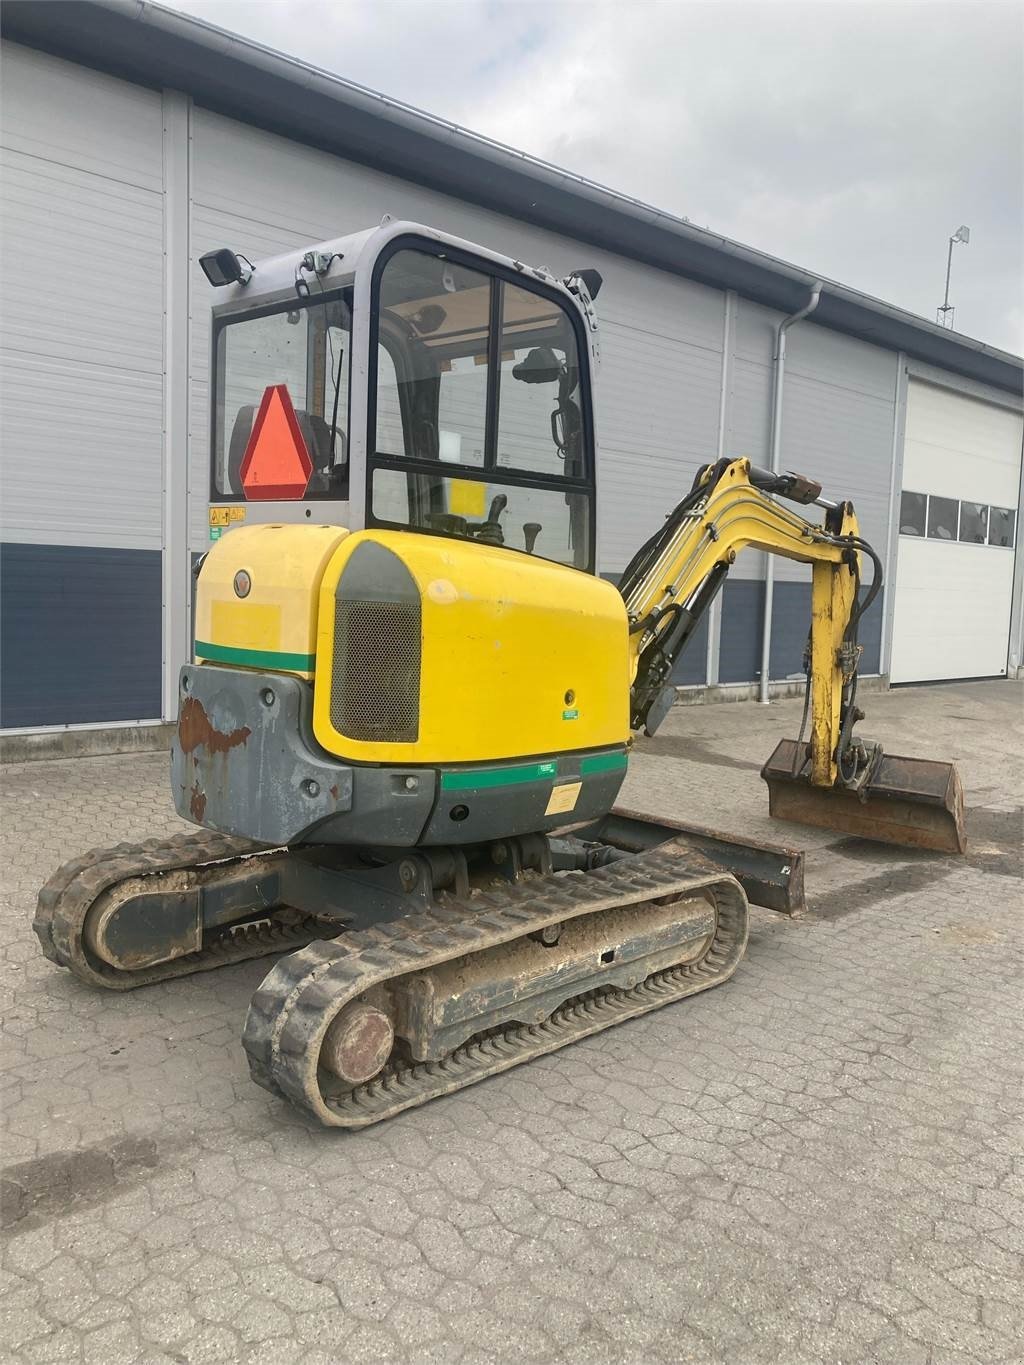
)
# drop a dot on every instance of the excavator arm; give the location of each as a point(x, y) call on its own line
point(834, 779)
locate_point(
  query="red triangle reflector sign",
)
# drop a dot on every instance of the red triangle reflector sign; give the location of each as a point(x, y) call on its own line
point(276, 462)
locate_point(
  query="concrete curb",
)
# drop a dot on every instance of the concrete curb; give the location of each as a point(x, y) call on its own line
point(117, 739)
point(791, 687)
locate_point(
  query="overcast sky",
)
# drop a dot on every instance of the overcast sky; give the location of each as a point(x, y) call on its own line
point(849, 138)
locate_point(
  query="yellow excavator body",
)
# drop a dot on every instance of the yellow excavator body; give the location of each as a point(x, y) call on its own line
point(501, 656)
point(477, 655)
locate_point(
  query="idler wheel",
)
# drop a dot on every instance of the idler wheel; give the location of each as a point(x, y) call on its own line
point(357, 1043)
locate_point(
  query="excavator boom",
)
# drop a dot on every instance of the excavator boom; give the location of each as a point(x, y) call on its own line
point(835, 780)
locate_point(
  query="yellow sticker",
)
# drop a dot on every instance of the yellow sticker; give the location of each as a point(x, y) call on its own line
point(467, 498)
point(236, 514)
point(220, 516)
point(563, 798)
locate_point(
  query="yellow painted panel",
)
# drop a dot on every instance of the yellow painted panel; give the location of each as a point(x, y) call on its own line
point(246, 625)
point(285, 565)
point(506, 637)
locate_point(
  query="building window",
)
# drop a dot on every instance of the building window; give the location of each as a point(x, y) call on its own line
point(974, 522)
point(1001, 526)
point(913, 508)
point(942, 518)
point(971, 523)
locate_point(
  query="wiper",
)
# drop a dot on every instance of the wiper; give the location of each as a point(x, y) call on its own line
point(334, 411)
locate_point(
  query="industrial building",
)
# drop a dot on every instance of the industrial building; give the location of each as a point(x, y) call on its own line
point(135, 139)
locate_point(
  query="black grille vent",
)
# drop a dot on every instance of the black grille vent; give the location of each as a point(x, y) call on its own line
point(375, 689)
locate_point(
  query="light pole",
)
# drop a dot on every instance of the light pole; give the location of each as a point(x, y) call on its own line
point(944, 314)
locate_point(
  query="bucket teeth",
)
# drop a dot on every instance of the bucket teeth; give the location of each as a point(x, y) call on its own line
point(910, 802)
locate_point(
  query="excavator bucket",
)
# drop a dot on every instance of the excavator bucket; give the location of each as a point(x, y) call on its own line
point(911, 802)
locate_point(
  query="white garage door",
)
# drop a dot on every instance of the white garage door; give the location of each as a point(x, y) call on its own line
point(958, 527)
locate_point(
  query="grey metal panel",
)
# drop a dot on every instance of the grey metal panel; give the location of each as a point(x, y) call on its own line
point(82, 349)
point(80, 118)
point(749, 420)
point(933, 374)
point(177, 581)
point(842, 361)
point(657, 423)
point(837, 418)
point(231, 74)
point(739, 657)
point(79, 635)
point(844, 439)
point(82, 450)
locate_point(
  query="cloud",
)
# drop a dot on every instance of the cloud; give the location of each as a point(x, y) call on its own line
point(849, 138)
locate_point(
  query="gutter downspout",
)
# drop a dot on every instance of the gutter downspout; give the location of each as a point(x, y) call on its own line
point(776, 459)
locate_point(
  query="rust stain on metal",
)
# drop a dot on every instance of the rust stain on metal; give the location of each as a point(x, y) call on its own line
point(357, 1043)
point(197, 805)
point(334, 791)
point(195, 729)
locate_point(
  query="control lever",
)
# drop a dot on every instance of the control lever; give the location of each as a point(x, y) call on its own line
point(489, 531)
point(531, 530)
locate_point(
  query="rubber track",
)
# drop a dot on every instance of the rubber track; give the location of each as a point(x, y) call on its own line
point(68, 896)
point(291, 1010)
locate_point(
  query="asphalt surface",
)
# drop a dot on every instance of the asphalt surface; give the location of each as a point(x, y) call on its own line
point(819, 1161)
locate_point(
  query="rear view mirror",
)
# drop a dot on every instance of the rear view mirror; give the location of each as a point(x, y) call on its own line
point(541, 366)
point(224, 267)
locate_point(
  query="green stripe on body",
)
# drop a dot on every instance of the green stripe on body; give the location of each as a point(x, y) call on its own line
point(602, 763)
point(528, 772)
point(256, 658)
point(499, 777)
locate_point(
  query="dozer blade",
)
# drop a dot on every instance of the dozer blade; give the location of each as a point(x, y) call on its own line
point(911, 802)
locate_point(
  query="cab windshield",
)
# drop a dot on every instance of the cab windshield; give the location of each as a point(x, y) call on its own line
point(303, 349)
point(478, 429)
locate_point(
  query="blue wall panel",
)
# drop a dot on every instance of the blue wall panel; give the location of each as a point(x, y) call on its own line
point(80, 635)
point(692, 665)
point(739, 658)
point(791, 620)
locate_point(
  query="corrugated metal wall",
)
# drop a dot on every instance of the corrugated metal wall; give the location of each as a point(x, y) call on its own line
point(81, 368)
point(839, 410)
point(85, 399)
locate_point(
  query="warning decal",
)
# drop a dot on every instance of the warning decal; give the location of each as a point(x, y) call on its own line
point(276, 463)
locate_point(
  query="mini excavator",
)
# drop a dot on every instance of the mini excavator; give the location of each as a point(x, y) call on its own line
point(412, 699)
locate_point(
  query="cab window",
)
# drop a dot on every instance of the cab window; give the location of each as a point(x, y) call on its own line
point(306, 347)
point(479, 428)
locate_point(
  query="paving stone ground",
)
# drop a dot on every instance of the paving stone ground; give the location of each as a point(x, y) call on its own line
point(821, 1161)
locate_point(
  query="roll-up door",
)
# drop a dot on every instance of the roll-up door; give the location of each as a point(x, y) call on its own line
point(958, 518)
